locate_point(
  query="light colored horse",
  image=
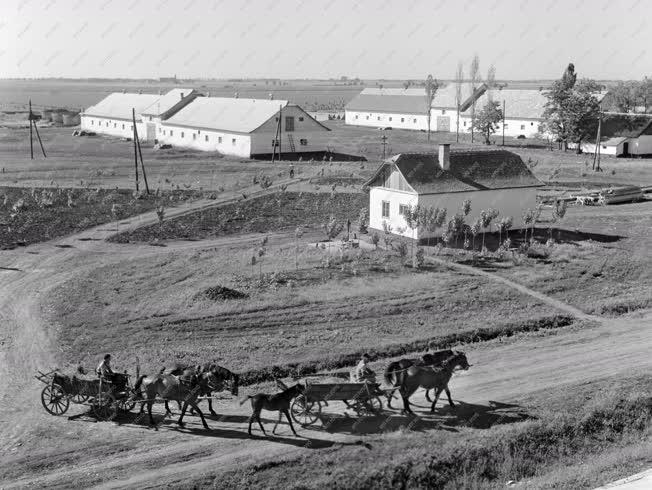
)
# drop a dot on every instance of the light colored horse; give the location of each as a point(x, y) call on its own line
point(429, 377)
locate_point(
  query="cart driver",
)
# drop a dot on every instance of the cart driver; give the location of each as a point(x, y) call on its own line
point(104, 368)
point(363, 373)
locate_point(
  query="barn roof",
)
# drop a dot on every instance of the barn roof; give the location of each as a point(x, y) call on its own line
point(119, 105)
point(470, 170)
point(409, 101)
point(168, 101)
point(618, 125)
point(226, 114)
point(519, 104)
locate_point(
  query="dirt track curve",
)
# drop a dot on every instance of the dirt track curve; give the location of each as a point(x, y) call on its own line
point(502, 373)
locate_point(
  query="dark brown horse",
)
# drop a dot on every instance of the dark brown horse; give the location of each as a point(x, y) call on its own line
point(170, 387)
point(429, 377)
point(279, 402)
point(429, 359)
point(217, 378)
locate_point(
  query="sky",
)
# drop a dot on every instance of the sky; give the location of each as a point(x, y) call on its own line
point(392, 39)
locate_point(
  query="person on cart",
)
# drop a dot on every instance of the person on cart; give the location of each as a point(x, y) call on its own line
point(104, 370)
point(363, 373)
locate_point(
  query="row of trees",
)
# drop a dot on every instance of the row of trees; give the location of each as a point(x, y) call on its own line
point(630, 96)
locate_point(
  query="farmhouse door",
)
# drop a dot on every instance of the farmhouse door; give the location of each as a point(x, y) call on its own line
point(625, 148)
point(151, 132)
point(443, 123)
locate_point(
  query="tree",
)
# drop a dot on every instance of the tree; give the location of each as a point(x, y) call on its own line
point(572, 110)
point(363, 219)
point(486, 217)
point(332, 228)
point(474, 78)
point(486, 121)
point(558, 212)
point(459, 79)
point(625, 96)
point(491, 81)
point(503, 227)
point(412, 216)
point(298, 233)
point(528, 218)
point(475, 229)
point(431, 89)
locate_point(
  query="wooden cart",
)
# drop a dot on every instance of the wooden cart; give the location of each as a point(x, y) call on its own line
point(363, 398)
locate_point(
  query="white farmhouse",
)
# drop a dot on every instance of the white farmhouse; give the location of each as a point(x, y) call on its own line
point(113, 114)
point(243, 127)
point(623, 135)
point(489, 178)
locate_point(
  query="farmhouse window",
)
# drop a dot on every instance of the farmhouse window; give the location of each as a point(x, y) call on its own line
point(390, 118)
point(276, 119)
point(92, 123)
point(219, 139)
point(385, 212)
point(303, 142)
point(115, 125)
point(205, 137)
point(367, 118)
point(522, 126)
point(464, 123)
point(379, 118)
point(301, 119)
point(443, 112)
point(194, 136)
point(182, 134)
point(531, 124)
point(131, 128)
point(415, 121)
point(274, 142)
point(356, 116)
point(289, 123)
point(164, 132)
point(171, 133)
point(150, 118)
point(402, 209)
point(233, 141)
point(402, 119)
point(123, 126)
point(505, 125)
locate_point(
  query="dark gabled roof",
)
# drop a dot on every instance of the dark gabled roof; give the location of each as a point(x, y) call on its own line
point(470, 170)
point(616, 125)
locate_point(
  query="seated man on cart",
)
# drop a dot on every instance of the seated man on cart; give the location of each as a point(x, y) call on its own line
point(363, 373)
point(104, 370)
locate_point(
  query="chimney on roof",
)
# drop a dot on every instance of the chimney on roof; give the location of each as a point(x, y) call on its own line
point(445, 156)
point(271, 96)
point(140, 92)
point(182, 95)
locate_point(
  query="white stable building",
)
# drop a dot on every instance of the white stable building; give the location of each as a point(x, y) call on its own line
point(113, 114)
point(495, 179)
point(623, 134)
point(407, 108)
point(243, 127)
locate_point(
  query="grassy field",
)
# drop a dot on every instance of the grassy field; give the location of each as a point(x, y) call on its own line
point(38, 214)
point(577, 437)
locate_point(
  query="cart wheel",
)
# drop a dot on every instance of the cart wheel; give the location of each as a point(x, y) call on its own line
point(126, 404)
point(105, 406)
point(54, 400)
point(304, 412)
point(373, 405)
point(79, 399)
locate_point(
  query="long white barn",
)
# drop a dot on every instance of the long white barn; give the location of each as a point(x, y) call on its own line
point(113, 114)
point(243, 127)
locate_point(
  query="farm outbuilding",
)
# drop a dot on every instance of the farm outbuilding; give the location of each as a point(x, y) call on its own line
point(407, 108)
point(624, 135)
point(113, 114)
point(495, 179)
point(243, 127)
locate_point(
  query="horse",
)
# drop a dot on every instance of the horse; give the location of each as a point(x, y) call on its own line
point(217, 379)
point(171, 387)
point(429, 359)
point(428, 377)
point(279, 402)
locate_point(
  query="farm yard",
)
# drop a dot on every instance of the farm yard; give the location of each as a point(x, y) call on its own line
point(229, 260)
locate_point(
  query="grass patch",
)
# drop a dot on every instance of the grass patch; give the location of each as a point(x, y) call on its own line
point(33, 215)
point(471, 458)
point(275, 212)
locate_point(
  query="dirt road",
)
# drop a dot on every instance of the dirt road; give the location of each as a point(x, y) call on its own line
point(41, 450)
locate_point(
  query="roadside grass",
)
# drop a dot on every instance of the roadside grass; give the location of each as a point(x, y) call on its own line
point(149, 307)
point(32, 215)
point(596, 428)
point(275, 212)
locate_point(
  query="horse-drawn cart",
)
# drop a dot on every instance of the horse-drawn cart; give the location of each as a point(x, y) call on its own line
point(363, 398)
point(105, 398)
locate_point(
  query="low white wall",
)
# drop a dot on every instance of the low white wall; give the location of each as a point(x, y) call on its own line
point(513, 127)
point(112, 127)
point(382, 120)
point(204, 140)
point(509, 202)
